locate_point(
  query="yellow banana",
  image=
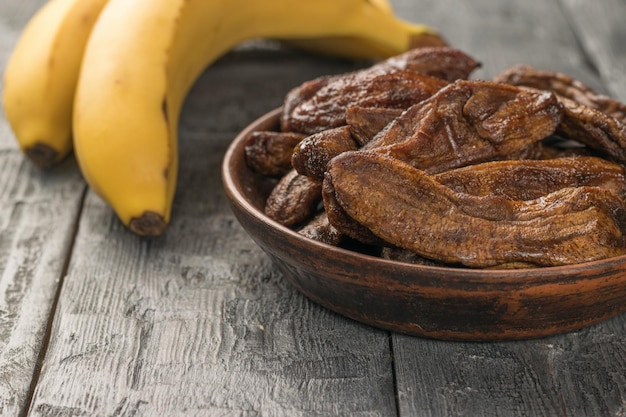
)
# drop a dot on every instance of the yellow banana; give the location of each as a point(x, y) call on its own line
point(382, 5)
point(360, 47)
point(144, 55)
point(40, 78)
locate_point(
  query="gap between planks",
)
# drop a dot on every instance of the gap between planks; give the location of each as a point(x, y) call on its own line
point(53, 308)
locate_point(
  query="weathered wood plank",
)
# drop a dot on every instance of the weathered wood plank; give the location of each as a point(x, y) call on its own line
point(581, 374)
point(38, 211)
point(600, 28)
point(199, 322)
point(578, 374)
point(501, 34)
point(37, 219)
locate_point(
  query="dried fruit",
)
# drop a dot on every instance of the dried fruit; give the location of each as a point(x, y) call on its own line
point(469, 122)
point(568, 226)
point(294, 199)
point(342, 221)
point(595, 129)
point(312, 154)
point(563, 85)
point(321, 103)
point(269, 153)
point(415, 163)
point(320, 229)
point(437, 61)
point(326, 109)
point(530, 179)
point(366, 122)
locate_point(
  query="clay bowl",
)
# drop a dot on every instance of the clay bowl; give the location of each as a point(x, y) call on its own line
point(434, 302)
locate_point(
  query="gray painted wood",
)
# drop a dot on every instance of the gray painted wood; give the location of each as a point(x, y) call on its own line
point(503, 33)
point(600, 29)
point(199, 323)
point(38, 213)
point(580, 374)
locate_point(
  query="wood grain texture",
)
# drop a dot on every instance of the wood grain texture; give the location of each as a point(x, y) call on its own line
point(37, 217)
point(601, 31)
point(38, 211)
point(577, 374)
point(580, 374)
point(199, 322)
point(503, 33)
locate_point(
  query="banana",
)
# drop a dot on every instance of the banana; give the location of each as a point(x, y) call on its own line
point(144, 55)
point(41, 74)
point(359, 47)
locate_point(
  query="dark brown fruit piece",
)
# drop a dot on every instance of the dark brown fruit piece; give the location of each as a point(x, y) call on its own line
point(312, 154)
point(595, 129)
point(409, 209)
point(269, 153)
point(469, 122)
point(366, 122)
point(565, 86)
point(441, 62)
point(294, 199)
point(319, 228)
point(530, 179)
point(327, 108)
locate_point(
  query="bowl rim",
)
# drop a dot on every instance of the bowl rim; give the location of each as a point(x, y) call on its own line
point(547, 275)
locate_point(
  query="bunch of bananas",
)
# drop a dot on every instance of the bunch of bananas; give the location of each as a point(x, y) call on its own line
point(107, 78)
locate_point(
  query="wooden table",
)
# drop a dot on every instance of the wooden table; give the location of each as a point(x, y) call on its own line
point(95, 321)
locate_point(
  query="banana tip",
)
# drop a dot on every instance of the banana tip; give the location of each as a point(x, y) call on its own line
point(42, 155)
point(426, 39)
point(149, 224)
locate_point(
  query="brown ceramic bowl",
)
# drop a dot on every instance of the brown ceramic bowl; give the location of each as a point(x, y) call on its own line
point(436, 302)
